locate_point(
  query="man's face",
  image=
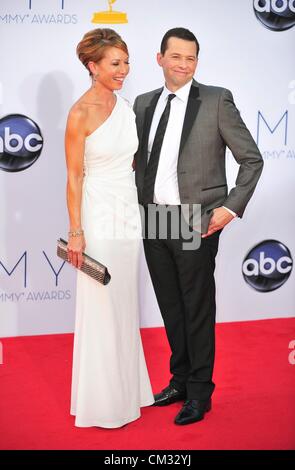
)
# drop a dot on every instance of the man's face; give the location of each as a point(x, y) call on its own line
point(179, 62)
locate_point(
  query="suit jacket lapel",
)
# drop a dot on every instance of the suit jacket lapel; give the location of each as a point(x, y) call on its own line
point(192, 109)
point(147, 124)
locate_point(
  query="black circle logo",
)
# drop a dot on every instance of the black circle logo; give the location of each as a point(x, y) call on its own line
point(267, 266)
point(277, 15)
point(21, 142)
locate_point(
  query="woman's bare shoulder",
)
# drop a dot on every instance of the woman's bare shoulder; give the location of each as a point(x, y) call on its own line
point(78, 111)
point(77, 117)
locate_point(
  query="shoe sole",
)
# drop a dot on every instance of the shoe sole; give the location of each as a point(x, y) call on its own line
point(169, 402)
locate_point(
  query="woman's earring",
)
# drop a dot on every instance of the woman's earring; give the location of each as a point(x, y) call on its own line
point(95, 78)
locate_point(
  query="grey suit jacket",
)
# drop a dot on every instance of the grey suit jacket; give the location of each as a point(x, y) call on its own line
point(212, 122)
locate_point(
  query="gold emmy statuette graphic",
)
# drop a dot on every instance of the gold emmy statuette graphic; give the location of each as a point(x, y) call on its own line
point(109, 17)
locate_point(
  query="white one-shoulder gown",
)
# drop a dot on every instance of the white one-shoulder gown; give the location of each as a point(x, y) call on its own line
point(110, 381)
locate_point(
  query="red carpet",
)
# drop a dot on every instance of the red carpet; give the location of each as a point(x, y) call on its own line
point(253, 404)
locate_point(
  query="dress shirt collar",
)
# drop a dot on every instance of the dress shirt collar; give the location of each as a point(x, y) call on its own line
point(182, 93)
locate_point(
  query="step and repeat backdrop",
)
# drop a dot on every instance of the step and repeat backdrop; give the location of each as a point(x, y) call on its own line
point(246, 46)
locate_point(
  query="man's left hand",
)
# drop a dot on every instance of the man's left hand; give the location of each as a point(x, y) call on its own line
point(220, 218)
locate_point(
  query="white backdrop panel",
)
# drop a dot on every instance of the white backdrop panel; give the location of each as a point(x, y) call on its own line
point(41, 78)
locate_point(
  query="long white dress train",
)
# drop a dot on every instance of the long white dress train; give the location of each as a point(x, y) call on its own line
point(110, 381)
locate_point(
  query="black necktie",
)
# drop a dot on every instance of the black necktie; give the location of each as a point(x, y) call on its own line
point(151, 170)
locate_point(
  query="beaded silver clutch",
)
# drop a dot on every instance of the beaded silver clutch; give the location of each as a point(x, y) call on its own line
point(89, 266)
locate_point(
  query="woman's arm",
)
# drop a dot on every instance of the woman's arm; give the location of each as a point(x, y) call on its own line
point(74, 148)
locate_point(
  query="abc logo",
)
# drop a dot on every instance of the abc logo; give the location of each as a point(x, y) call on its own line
point(21, 142)
point(277, 15)
point(267, 266)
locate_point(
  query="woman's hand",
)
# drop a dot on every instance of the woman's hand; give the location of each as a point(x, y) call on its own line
point(76, 246)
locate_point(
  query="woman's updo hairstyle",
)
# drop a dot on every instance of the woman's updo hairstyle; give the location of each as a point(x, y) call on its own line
point(94, 43)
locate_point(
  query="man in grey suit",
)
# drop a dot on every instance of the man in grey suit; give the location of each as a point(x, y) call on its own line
point(184, 129)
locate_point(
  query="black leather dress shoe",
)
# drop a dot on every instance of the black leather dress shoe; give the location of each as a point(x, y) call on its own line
point(168, 395)
point(193, 411)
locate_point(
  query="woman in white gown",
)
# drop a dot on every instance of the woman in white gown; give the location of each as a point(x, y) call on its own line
point(109, 380)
